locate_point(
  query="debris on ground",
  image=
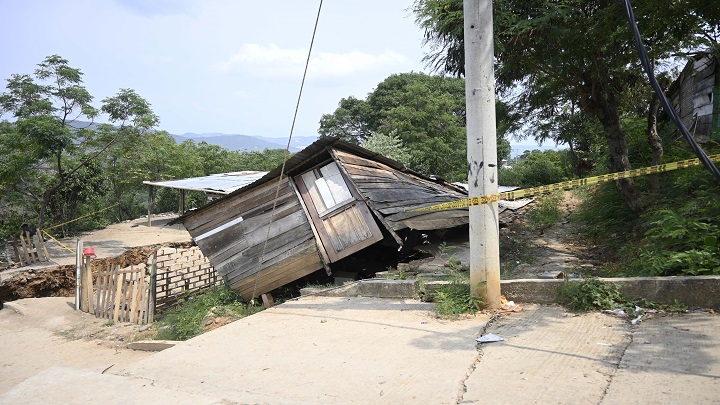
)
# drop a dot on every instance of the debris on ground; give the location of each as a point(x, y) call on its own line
point(489, 338)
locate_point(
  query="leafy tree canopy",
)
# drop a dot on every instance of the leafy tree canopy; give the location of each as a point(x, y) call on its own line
point(426, 113)
point(559, 57)
point(44, 149)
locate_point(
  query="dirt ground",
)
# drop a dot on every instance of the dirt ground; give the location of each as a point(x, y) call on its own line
point(557, 248)
point(124, 244)
point(38, 333)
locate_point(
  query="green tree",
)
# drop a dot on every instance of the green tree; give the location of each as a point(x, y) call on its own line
point(389, 146)
point(45, 107)
point(537, 168)
point(427, 113)
point(572, 54)
point(350, 121)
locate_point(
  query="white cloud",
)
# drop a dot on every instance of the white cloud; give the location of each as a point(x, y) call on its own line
point(273, 61)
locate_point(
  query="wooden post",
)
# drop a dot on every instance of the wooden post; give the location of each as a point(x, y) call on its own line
point(87, 286)
point(41, 245)
point(18, 253)
point(267, 300)
point(151, 202)
point(151, 289)
point(28, 257)
point(181, 207)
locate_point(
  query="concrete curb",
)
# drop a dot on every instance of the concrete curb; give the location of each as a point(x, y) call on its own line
point(695, 292)
point(15, 307)
point(152, 345)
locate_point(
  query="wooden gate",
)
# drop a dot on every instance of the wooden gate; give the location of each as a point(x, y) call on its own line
point(123, 295)
point(30, 248)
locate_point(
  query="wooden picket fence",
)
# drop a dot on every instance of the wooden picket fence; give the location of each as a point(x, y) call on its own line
point(132, 294)
point(124, 295)
point(30, 249)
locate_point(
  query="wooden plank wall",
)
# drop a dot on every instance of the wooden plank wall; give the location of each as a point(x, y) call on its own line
point(390, 192)
point(693, 99)
point(235, 252)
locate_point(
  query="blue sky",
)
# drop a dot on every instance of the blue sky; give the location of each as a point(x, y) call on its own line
point(219, 66)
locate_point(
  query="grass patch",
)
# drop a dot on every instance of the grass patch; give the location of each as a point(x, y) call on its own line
point(546, 211)
point(185, 320)
point(454, 299)
point(594, 294)
point(591, 294)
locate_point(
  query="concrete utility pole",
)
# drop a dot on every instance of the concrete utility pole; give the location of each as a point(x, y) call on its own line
point(482, 150)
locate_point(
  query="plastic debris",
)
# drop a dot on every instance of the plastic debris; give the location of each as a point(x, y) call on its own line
point(636, 320)
point(489, 338)
point(617, 311)
point(508, 306)
point(552, 275)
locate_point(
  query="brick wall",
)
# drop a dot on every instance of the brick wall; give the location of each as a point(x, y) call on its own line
point(180, 270)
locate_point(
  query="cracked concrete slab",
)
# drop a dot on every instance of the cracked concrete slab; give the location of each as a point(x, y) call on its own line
point(325, 350)
point(548, 356)
point(344, 350)
point(672, 359)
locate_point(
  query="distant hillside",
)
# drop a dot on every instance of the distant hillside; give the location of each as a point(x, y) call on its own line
point(228, 141)
point(247, 142)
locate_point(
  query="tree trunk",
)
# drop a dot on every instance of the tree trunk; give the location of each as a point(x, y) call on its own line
point(655, 142)
point(607, 112)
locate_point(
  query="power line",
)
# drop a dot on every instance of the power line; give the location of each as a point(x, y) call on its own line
point(287, 151)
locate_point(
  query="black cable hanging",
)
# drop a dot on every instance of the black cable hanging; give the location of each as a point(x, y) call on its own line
point(674, 117)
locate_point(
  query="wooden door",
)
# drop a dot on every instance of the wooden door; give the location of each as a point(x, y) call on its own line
point(344, 222)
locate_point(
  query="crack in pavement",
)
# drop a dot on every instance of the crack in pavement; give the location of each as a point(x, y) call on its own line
point(462, 389)
point(631, 336)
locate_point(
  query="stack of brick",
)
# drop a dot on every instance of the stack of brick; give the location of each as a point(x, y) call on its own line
point(180, 270)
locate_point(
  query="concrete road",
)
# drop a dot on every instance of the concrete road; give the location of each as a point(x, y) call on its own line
point(335, 350)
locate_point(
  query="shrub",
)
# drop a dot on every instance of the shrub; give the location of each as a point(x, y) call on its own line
point(546, 211)
point(184, 321)
point(454, 299)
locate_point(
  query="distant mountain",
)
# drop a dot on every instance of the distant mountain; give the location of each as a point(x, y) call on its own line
point(228, 141)
point(247, 142)
point(92, 126)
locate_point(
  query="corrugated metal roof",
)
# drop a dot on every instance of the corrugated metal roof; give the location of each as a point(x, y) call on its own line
point(222, 183)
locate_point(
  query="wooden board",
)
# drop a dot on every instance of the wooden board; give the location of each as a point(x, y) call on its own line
point(390, 193)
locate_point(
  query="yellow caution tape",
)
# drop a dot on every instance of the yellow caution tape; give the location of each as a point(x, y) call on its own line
point(84, 216)
point(565, 185)
point(58, 242)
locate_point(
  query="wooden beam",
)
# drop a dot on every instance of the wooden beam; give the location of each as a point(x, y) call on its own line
point(151, 202)
point(321, 248)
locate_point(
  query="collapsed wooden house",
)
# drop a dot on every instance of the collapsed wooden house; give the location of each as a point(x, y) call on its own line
point(329, 201)
point(695, 94)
